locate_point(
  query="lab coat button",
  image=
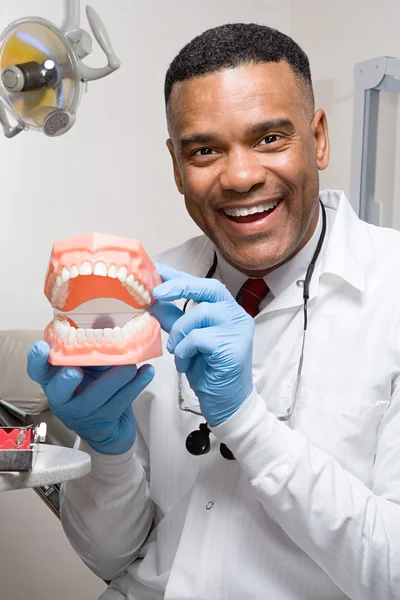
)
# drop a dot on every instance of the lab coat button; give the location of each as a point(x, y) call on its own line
point(300, 283)
point(209, 505)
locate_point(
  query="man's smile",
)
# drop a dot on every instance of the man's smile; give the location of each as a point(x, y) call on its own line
point(245, 219)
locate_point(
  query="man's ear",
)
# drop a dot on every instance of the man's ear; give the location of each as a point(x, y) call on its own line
point(319, 127)
point(177, 172)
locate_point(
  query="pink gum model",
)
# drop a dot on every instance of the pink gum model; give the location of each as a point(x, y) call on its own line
point(101, 266)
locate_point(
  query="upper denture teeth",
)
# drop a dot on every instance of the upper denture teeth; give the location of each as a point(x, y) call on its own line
point(100, 269)
point(65, 275)
point(137, 290)
point(86, 268)
point(122, 273)
point(112, 272)
point(74, 271)
point(60, 291)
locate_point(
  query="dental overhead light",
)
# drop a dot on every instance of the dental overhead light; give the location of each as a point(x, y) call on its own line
point(42, 73)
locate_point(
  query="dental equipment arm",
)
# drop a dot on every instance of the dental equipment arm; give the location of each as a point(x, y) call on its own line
point(83, 43)
point(42, 70)
point(9, 130)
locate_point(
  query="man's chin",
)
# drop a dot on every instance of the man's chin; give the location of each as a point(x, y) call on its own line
point(254, 264)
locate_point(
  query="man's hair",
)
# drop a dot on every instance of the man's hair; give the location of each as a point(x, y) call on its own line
point(235, 44)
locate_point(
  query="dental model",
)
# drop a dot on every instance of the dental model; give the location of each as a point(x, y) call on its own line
point(97, 266)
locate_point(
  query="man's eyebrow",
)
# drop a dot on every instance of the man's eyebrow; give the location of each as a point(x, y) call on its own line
point(266, 126)
point(197, 138)
point(257, 129)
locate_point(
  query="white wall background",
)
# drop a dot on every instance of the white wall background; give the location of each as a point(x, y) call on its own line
point(111, 173)
point(337, 34)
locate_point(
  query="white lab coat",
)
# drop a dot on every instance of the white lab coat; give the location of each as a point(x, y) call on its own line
point(306, 511)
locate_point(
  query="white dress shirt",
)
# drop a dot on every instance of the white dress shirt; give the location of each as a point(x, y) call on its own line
point(308, 510)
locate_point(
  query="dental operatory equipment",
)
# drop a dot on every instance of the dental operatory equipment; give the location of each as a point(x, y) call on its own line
point(381, 74)
point(19, 445)
point(42, 73)
point(96, 267)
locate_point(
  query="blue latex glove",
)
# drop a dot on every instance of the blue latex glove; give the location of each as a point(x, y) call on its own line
point(96, 403)
point(212, 343)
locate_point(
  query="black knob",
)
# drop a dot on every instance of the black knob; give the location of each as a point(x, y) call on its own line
point(198, 442)
point(226, 453)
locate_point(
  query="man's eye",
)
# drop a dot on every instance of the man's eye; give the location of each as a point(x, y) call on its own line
point(270, 139)
point(203, 152)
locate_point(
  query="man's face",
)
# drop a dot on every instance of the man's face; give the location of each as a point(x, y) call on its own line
point(246, 151)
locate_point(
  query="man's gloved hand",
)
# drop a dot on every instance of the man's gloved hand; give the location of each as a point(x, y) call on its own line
point(96, 403)
point(212, 343)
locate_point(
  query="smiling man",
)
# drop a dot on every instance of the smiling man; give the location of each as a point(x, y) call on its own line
point(246, 147)
point(280, 476)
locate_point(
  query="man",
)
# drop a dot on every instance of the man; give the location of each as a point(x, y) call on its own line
point(297, 497)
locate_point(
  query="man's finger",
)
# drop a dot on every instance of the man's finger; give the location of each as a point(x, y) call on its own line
point(166, 314)
point(38, 367)
point(100, 391)
point(193, 288)
point(166, 272)
point(63, 385)
point(201, 316)
point(123, 399)
point(197, 341)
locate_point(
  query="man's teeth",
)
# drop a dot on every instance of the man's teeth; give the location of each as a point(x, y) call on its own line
point(68, 333)
point(244, 212)
point(60, 289)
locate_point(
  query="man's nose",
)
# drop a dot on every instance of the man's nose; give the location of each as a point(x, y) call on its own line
point(242, 171)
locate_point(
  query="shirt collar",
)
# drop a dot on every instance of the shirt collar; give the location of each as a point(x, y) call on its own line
point(342, 254)
point(348, 241)
point(281, 277)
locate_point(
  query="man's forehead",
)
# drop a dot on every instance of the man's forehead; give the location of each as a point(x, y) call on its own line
point(243, 89)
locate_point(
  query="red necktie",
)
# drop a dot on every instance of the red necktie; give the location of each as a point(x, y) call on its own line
point(252, 292)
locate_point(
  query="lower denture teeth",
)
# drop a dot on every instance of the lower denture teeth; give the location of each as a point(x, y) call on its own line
point(118, 335)
point(108, 335)
point(71, 335)
point(64, 327)
point(143, 321)
point(98, 335)
point(80, 336)
point(89, 335)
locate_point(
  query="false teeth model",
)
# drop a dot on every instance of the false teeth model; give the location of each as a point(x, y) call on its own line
point(101, 266)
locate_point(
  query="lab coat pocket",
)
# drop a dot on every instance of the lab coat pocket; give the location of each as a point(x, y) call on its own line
point(344, 427)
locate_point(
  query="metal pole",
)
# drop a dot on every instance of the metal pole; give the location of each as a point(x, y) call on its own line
point(72, 12)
